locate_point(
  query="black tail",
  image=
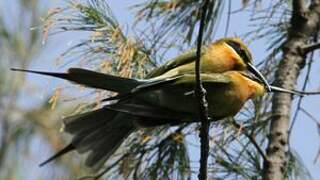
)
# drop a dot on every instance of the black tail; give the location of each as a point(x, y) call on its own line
point(98, 132)
point(63, 151)
point(92, 79)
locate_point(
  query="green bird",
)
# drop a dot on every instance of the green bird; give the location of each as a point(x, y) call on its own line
point(166, 96)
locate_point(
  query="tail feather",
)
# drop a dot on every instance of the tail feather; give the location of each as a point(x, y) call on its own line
point(103, 141)
point(63, 151)
point(100, 152)
point(88, 121)
point(86, 140)
point(100, 133)
point(92, 79)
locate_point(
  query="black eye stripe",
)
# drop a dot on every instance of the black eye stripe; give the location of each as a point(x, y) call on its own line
point(240, 51)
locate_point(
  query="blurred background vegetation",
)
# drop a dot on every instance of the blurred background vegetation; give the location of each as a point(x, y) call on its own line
point(162, 28)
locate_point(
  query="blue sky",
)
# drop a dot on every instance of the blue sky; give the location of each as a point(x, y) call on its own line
point(305, 139)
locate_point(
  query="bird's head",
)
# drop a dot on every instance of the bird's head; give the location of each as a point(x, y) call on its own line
point(242, 53)
point(242, 57)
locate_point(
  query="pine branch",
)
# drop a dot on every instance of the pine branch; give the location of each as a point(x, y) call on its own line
point(252, 140)
point(203, 104)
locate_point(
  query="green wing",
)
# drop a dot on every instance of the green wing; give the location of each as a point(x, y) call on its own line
point(212, 78)
point(185, 58)
point(147, 111)
point(143, 109)
point(187, 79)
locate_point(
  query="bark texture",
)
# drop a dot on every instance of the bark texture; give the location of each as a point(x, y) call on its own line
point(304, 25)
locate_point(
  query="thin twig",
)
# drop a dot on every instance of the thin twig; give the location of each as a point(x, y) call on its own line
point(98, 176)
point(311, 48)
point(228, 18)
point(251, 138)
point(315, 120)
point(306, 80)
point(203, 105)
point(309, 92)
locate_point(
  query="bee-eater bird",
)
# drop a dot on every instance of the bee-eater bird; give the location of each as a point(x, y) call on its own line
point(164, 97)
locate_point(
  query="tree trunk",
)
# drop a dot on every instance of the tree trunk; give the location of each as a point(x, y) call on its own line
point(304, 25)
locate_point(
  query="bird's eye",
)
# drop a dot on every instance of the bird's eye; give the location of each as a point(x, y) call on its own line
point(240, 51)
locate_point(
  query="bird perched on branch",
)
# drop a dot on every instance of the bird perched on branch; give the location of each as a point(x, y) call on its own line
point(166, 96)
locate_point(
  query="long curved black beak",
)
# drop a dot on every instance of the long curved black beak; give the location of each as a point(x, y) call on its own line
point(257, 73)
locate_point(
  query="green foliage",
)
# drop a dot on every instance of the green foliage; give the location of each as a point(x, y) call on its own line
point(179, 18)
point(105, 43)
point(163, 152)
point(152, 154)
